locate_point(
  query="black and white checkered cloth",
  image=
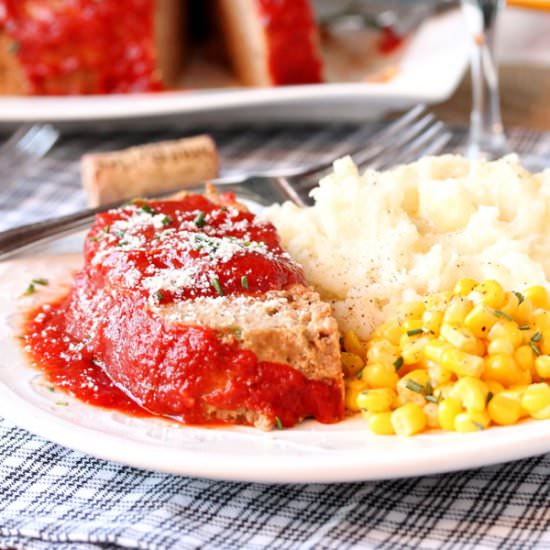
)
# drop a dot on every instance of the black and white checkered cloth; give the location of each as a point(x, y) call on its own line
point(54, 498)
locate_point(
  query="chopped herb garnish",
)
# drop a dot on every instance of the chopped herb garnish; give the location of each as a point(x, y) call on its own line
point(279, 423)
point(499, 313)
point(490, 396)
point(478, 425)
point(415, 331)
point(535, 348)
point(428, 389)
point(159, 295)
point(51, 388)
point(107, 229)
point(215, 282)
point(31, 289)
point(519, 296)
point(359, 373)
point(40, 281)
point(537, 337)
point(122, 243)
point(61, 403)
point(167, 220)
point(148, 209)
point(199, 219)
point(244, 281)
point(22, 337)
point(398, 363)
point(414, 386)
point(93, 239)
point(525, 327)
point(432, 399)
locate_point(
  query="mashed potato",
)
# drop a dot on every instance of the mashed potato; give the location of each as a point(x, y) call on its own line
point(374, 240)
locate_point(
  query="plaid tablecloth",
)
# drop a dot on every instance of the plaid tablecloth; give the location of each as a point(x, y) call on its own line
point(51, 497)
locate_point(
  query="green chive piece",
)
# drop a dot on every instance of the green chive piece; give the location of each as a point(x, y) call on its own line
point(519, 296)
point(478, 425)
point(359, 373)
point(414, 386)
point(535, 348)
point(148, 209)
point(159, 295)
point(415, 331)
point(31, 289)
point(499, 313)
point(107, 229)
point(93, 239)
point(432, 399)
point(244, 281)
point(167, 220)
point(525, 327)
point(537, 337)
point(61, 403)
point(398, 363)
point(199, 219)
point(279, 423)
point(490, 396)
point(215, 282)
point(51, 388)
point(428, 389)
point(40, 281)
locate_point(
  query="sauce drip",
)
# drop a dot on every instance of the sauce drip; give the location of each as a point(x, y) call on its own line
point(83, 47)
point(106, 343)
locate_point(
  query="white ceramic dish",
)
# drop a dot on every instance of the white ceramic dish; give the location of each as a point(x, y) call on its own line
point(430, 67)
point(311, 452)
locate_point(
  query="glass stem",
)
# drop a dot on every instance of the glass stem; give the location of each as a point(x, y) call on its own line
point(487, 137)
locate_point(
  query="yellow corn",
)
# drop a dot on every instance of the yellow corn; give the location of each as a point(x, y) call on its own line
point(433, 350)
point(352, 363)
point(494, 387)
point(380, 423)
point(511, 303)
point(411, 310)
point(524, 313)
point(382, 352)
point(500, 345)
point(538, 296)
point(491, 293)
point(378, 375)
point(439, 375)
point(437, 301)
point(502, 368)
point(536, 397)
point(411, 388)
point(542, 366)
point(431, 410)
point(390, 331)
point(504, 410)
point(353, 389)
point(412, 325)
point(544, 344)
point(507, 330)
point(449, 409)
point(472, 421)
point(376, 400)
point(408, 419)
point(461, 363)
point(460, 337)
point(471, 393)
point(432, 321)
point(525, 358)
point(464, 286)
point(480, 320)
point(352, 344)
point(541, 321)
point(457, 310)
point(414, 351)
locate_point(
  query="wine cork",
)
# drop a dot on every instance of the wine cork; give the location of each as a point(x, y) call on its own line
point(148, 169)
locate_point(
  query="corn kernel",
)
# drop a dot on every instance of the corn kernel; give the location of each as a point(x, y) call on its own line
point(491, 293)
point(390, 331)
point(524, 313)
point(412, 325)
point(541, 321)
point(351, 363)
point(472, 421)
point(538, 296)
point(542, 414)
point(511, 303)
point(437, 301)
point(431, 410)
point(411, 310)
point(438, 375)
point(542, 366)
point(443, 391)
point(460, 337)
point(449, 409)
point(464, 286)
point(480, 320)
point(383, 352)
point(471, 392)
point(457, 310)
point(504, 410)
point(414, 351)
point(353, 389)
point(494, 387)
point(432, 321)
point(433, 350)
point(352, 344)
point(502, 368)
point(500, 345)
point(376, 400)
point(408, 419)
point(544, 344)
point(411, 388)
point(536, 397)
point(507, 330)
point(378, 375)
point(461, 363)
point(380, 423)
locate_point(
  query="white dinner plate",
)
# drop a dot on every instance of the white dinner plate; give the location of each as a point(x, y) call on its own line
point(430, 66)
point(309, 452)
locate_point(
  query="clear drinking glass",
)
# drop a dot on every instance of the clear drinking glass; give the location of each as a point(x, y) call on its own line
point(487, 138)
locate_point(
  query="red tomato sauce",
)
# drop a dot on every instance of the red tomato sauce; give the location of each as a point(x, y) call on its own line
point(83, 47)
point(106, 344)
point(290, 34)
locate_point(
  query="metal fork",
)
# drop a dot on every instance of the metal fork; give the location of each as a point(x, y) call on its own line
point(22, 149)
point(414, 134)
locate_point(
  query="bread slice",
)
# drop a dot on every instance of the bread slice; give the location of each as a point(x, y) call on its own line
point(167, 42)
point(271, 42)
